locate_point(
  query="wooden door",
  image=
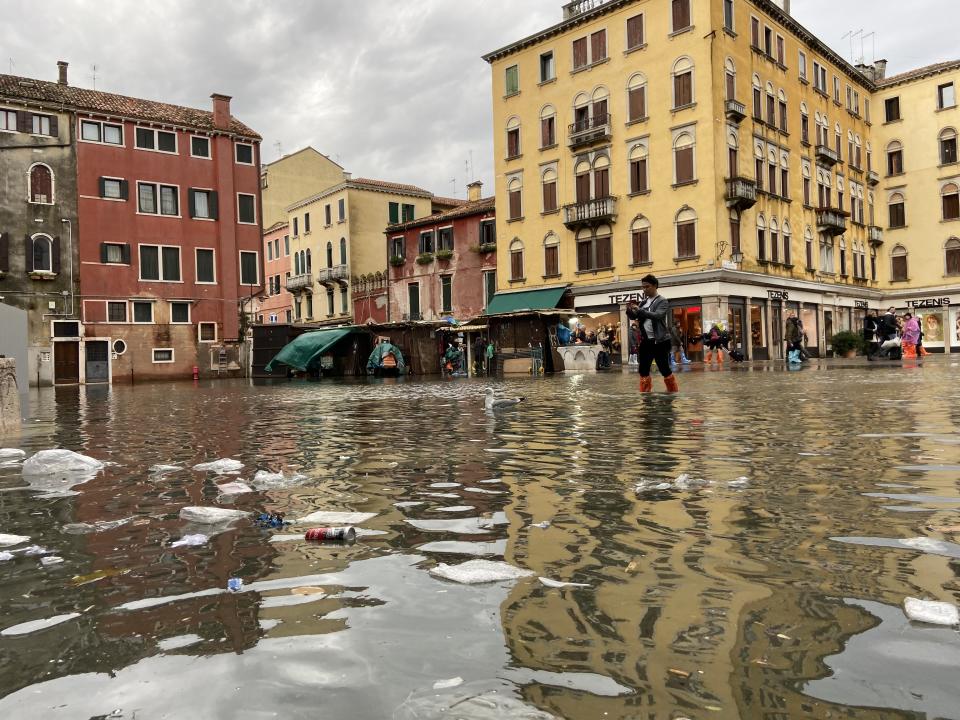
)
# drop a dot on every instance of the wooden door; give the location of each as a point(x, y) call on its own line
point(66, 363)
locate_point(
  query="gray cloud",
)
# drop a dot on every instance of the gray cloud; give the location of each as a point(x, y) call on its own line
point(390, 89)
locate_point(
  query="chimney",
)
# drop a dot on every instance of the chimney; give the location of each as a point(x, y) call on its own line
point(62, 67)
point(473, 191)
point(221, 111)
point(783, 5)
point(879, 70)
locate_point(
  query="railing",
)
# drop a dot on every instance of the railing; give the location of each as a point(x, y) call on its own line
point(590, 212)
point(875, 235)
point(827, 154)
point(873, 177)
point(832, 221)
point(736, 110)
point(741, 192)
point(299, 282)
point(581, 6)
point(589, 129)
point(333, 274)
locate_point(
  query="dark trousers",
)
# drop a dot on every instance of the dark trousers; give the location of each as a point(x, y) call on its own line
point(650, 352)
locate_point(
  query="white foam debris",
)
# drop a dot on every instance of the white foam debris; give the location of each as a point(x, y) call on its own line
point(222, 466)
point(475, 572)
point(927, 545)
point(266, 480)
point(542, 525)
point(191, 541)
point(325, 517)
point(234, 488)
point(681, 484)
point(5, 556)
point(34, 625)
point(55, 462)
point(560, 584)
point(740, 482)
point(344, 457)
point(51, 560)
point(179, 641)
point(455, 508)
point(9, 540)
point(933, 613)
point(210, 515)
point(161, 469)
point(33, 551)
point(95, 527)
point(451, 683)
point(11, 456)
point(409, 504)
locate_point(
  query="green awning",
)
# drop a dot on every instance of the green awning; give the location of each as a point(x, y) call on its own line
point(525, 300)
point(303, 352)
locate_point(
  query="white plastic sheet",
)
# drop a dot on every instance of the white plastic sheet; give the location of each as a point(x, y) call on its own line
point(211, 515)
point(224, 465)
point(10, 456)
point(933, 613)
point(191, 541)
point(324, 517)
point(234, 488)
point(266, 480)
point(56, 462)
point(10, 540)
point(95, 527)
point(475, 572)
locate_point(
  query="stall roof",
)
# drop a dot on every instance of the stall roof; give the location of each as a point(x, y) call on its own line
point(543, 299)
point(304, 350)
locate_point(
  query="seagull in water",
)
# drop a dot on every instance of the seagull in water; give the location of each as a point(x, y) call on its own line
point(492, 402)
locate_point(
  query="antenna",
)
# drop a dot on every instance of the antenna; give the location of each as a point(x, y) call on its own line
point(453, 181)
point(279, 147)
point(862, 53)
point(12, 64)
point(93, 76)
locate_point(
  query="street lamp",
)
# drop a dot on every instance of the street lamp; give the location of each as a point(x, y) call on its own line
point(736, 257)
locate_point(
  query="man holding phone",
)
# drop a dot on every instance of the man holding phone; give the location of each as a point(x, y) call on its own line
point(655, 341)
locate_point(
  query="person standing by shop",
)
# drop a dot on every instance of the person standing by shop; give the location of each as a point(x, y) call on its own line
point(793, 334)
point(871, 328)
point(655, 342)
point(911, 336)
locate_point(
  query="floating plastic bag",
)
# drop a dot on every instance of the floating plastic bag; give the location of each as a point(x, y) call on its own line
point(559, 584)
point(190, 541)
point(266, 480)
point(8, 540)
point(9, 456)
point(324, 517)
point(5, 556)
point(99, 526)
point(225, 465)
point(475, 572)
point(933, 613)
point(211, 515)
point(467, 702)
point(234, 488)
point(55, 462)
point(161, 469)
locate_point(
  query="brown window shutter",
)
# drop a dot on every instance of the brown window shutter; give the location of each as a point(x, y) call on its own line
point(545, 134)
point(579, 52)
point(584, 261)
point(4, 252)
point(583, 187)
point(55, 254)
point(635, 176)
point(549, 196)
point(213, 206)
point(54, 126)
point(552, 260)
point(516, 264)
point(734, 235)
point(635, 31)
point(515, 204)
point(24, 121)
point(103, 192)
point(103, 253)
point(951, 207)
point(125, 253)
point(600, 112)
point(953, 262)
point(601, 183)
point(684, 165)
point(604, 253)
point(638, 103)
point(513, 143)
point(598, 45)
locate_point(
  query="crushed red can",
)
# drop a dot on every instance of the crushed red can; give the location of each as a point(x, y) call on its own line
point(332, 535)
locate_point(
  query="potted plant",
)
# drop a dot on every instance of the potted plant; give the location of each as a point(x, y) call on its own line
point(397, 260)
point(424, 258)
point(488, 248)
point(847, 344)
point(444, 254)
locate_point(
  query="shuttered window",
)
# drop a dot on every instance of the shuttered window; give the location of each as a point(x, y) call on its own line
point(681, 15)
point(604, 252)
point(516, 265)
point(579, 53)
point(551, 260)
point(513, 143)
point(601, 183)
point(583, 187)
point(684, 164)
point(548, 132)
point(953, 257)
point(516, 211)
point(899, 267)
point(638, 175)
point(637, 100)
point(634, 32)
point(584, 255)
point(682, 89)
point(641, 246)
point(550, 196)
point(686, 239)
point(598, 46)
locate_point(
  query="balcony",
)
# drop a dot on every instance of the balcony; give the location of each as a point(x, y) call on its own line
point(827, 155)
point(296, 283)
point(831, 221)
point(589, 130)
point(333, 275)
point(875, 235)
point(741, 193)
point(590, 213)
point(873, 178)
point(736, 111)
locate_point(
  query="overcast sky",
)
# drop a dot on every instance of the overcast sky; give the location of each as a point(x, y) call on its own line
point(390, 89)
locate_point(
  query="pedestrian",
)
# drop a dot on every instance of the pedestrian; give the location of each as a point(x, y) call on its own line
point(713, 339)
point(479, 348)
point(678, 341)
point(634, 340)
point(871, 327)
point(793, 334)
point(911, 336)
point(654, 345)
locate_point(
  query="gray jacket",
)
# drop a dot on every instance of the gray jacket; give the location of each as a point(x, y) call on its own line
point(658, 311)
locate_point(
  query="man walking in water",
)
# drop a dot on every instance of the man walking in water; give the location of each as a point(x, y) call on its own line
point(655, 341)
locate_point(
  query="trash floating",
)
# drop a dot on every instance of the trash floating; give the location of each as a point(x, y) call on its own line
point(235, 584)
point(161, 469)
point(326, 517)
point(11, 456)
point(331, 535)
point(211, 515)
point(266, 480)
point(681, 484)
point(34, 625)
point(51, 560)
point(224, 465)
point(475, 572)
point(451, 683)
point(932, 613)
point(190, 541)
point(559, 584)
point(55, 462)
point(234, 488)
point(8, 540)
point(542, 525)
point(270, 520)
point(5, 556)
point(467, 702)
point(455, 508)
point(95, 527)
point(180, 641)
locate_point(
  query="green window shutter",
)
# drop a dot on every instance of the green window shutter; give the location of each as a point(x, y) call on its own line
point(4, 252)
point(103, 187)
point(27, 254)
point(103, 252)
point(212, 206)
point(394, 213)
point(192, 202)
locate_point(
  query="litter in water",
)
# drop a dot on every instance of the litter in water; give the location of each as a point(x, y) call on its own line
point(235, 584)
point(325, 517)
point(161, 469)
point(190, 541)
point(5, 556)
point(34, 625)
point(8, 540)
point(933, 613)
point(55, 462)
point(10, 456)
point(211, 515)
point(234, 488)
point(475, 572)
point(95, 527)
point(270, 520)
point(451, 683)
point(331, 535)
point(223, 466)
point(542, 525)
point(51, 560)
point(266, 480)
point(179, 641)
point(559, 584)
point(467, 702)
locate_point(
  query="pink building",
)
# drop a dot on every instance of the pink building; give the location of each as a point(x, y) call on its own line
point(444, 264)
point(276, 304)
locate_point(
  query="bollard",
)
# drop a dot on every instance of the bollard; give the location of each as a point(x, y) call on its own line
point(196, 373)
point(332, 535)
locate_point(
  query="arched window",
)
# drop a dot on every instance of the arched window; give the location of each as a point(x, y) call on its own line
point(601, 177)
point(640, 240)
point(950, 201)
point(639, 178)
point(516, 260)
point(896, 206)
point(787, 250)
point(804, 123)
point(772, 172)
point(581, 175)
point(952, 253)
point(513, 137)
point(843, 257)
point(857, 152)
point(761, 238)
point(898, 263)
point(731, 76)
point(683, 89)
point(600, 107)
point(774, 241)
point(686, 230)
point(771, 106)
point(894, 158)
point(514, 191)
point(808, 248)
point(683, 159)
point(307, 262)
point(869, 157)
point(41, 184)
point(838, 140)
point(948, 146)
point(758, 164)
point(584, 241)
point(782, 105)
point(44, 259)
point(548, 127)
point(343, 251)
point(551, 255)
point(296, 264)
point(870, 210)
point(549, 183)
point(329, 254)
point(757, 98)
point(636, 97)
point(733, 154)
point(581, 113)
point(735, 244)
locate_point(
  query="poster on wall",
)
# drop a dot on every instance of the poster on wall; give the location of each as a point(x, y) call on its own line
point(932, 327)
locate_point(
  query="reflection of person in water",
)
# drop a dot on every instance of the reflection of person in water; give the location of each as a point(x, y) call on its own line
point(932, 328)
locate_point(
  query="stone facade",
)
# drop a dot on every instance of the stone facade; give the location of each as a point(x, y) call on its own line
point(9, 396)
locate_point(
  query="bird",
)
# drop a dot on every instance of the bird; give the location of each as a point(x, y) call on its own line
point(492, 402)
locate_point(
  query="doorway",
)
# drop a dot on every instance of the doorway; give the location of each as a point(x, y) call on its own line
point(735, 324)
point(828, 331)
point(97, 361)
point(66, 363)
point(776, 330)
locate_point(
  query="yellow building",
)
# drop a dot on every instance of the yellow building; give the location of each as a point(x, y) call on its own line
point(294, 177)
point(715, 143)
point(918, 199)
point(336, 238)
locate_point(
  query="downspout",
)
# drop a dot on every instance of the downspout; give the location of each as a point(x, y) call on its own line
point(69, 225)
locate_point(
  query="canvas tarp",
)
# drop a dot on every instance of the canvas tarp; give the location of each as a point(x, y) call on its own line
point(304, 352)
point(376, 358)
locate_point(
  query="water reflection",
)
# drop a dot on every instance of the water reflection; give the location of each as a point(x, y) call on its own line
point(712, 599)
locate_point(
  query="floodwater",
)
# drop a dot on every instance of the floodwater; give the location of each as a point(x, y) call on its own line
point(768, 583)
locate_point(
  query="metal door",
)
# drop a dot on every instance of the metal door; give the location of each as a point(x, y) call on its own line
point(66, 363)
point(98, 361)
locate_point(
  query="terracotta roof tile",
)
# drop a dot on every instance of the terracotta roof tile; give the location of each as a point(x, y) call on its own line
point(925, 71)
point(84, 100)
point(447, 201)
point(473, 207)
point(384, 185)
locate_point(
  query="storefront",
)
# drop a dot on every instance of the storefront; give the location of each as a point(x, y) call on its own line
point(939, 320)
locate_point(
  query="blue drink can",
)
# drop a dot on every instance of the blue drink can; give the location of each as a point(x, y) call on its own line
point(235, 584)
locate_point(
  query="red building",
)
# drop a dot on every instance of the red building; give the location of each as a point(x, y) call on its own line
point(442, 265)
point(276, 305)
point(168, 232)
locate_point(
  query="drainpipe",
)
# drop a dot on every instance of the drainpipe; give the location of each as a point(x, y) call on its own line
point(69, 225)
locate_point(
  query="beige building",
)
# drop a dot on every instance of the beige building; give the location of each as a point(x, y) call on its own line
point(292, 178)
point(716, 143)
point(336, 238)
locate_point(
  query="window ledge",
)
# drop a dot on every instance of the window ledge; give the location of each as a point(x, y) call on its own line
point(584, 68)
point(902, 280)
point(510, 95)
point(547, 81)
point(804, 81)
point(681, 31)
point(638, 121)
point(688, 106)
point(516, 219)
point(635, 48)
point(946, 107)
point(341, 221)
point(950, 220)
point(594, 271)
point(42, 275)
point(508, 158)
point(898, 227)
point(638, 193)
point(545, 147)
point(517, 280)
point(550, 212)
point(892, 122)
point(551, 277)
point(894, 175)
point(648, 263)
point(949, 164)
point(685, 183)
point(730, 31)
point(805, 143)
point(687, 258)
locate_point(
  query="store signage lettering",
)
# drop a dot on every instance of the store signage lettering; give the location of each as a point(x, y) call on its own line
point(861, 304)
point(626, 298)
point(929, 303)
point(778, 294)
